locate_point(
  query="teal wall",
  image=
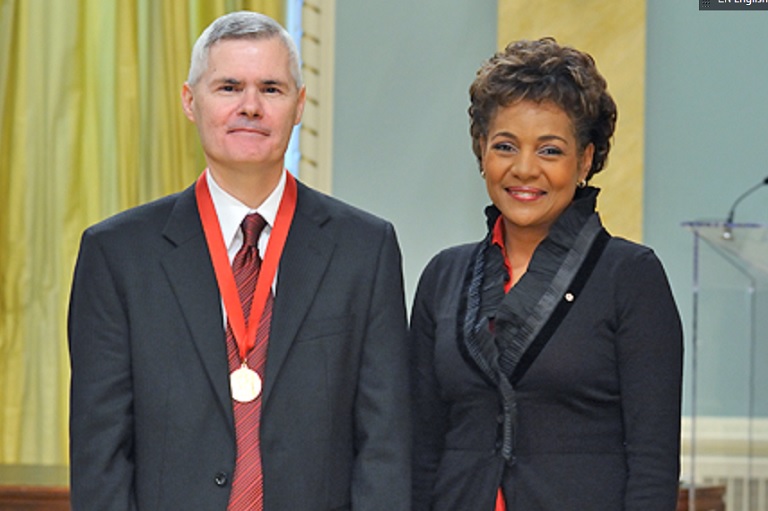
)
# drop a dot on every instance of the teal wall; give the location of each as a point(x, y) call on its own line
point(706, 142)
point(402, 151)
point(401, 132)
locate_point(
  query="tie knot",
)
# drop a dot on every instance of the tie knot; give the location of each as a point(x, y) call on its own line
point(252, 226)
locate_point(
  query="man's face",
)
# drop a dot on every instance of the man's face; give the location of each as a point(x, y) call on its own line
point(245, 105)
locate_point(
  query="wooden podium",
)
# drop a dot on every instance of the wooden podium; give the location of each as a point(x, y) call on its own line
point(34, 488)
point(708, 498)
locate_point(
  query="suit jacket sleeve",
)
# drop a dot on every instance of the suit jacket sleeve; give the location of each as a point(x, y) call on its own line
point(430, 413)
point(649, 349)
point(381, 477)
point(101, 447)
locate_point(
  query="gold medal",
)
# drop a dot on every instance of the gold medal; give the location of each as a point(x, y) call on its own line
point(245, 384)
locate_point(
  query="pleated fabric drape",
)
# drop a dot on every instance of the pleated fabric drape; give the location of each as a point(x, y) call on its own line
point(90, 124)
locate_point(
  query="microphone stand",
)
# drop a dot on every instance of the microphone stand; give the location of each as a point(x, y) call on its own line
point(727, 227)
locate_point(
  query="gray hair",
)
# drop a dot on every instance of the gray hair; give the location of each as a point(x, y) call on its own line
point(241, 25)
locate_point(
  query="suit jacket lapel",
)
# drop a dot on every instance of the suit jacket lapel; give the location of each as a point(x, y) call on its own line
point(303, 263)
point(190, 274)
point(305, 258)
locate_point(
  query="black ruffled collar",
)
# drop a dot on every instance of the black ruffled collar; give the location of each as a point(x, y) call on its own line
point(496, 329)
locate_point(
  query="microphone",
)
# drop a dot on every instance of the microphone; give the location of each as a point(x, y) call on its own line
point(727, 231)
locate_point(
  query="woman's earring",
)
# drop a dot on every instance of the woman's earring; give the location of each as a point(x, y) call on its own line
point(582, 183)
point(482, 173)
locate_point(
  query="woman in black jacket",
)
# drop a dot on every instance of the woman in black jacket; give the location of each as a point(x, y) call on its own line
point(547, 357)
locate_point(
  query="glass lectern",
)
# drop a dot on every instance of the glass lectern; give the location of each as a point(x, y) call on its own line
point(725, 424)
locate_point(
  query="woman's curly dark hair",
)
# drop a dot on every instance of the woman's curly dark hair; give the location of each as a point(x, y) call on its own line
point(544, 71)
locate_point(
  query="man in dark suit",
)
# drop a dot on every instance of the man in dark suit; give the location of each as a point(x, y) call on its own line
point(161, 371)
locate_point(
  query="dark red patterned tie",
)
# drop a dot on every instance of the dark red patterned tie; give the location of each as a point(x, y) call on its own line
point(247, 485)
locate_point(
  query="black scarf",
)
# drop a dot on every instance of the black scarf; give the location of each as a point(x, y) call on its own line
point(501, 334)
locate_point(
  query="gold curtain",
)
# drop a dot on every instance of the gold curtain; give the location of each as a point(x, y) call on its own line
point(90, 124)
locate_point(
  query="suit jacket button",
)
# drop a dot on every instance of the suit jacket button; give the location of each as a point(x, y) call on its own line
point(220, 479)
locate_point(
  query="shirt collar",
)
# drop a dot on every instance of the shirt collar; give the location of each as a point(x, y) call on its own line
point(497, 238)
point(231, 211)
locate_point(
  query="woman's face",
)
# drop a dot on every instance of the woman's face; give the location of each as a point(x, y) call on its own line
point(532, 165)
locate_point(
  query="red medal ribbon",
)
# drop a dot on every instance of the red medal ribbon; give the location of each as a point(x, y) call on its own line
point(246, 338)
